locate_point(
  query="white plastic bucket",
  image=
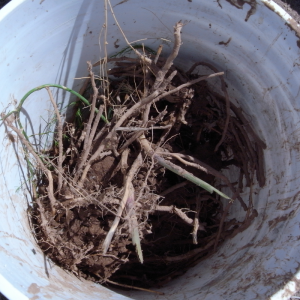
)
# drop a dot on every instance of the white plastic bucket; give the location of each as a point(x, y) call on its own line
point(49, 41)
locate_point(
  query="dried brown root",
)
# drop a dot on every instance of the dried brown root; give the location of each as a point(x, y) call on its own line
point(118, 189)
point(128, 193)
point(224, 89)
point(172, 209)
point(169, 62)
point(196, 221)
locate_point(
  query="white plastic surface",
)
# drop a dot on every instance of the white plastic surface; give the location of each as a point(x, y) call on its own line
point(50, 41)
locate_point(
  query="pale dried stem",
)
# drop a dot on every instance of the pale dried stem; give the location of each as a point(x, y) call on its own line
point(45, 224)
point(106, 86)
point(146, 71)
point(174, 210)
point(162, 88)
point(187, 163)
point(85, 134)
point(39, 162)
point(169, 62)
point(94, 128)
point(142, 128)
point(124, 160)
point(60, 140)
point(127, 190)
point(146, 92)
point(142, 57)
point(154, 97)
point(195, 231)
point(90, 132)
point(158, 52)
point(146, 114)
point(157, 95)
point(133, 223)
point(82, 136)
point(138, 134)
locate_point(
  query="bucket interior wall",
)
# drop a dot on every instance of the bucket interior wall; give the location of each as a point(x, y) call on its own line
point(50, 41)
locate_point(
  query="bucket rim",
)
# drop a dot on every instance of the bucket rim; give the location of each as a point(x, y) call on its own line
point(11, 292)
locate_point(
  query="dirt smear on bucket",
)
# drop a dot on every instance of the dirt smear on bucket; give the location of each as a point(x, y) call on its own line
point(240, 4)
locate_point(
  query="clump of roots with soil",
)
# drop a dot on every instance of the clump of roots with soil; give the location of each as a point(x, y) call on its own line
point(129, 194)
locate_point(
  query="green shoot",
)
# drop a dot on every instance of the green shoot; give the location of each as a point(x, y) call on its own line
point(19, 107)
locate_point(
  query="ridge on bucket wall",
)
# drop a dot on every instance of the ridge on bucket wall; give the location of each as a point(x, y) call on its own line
point(50, 41)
